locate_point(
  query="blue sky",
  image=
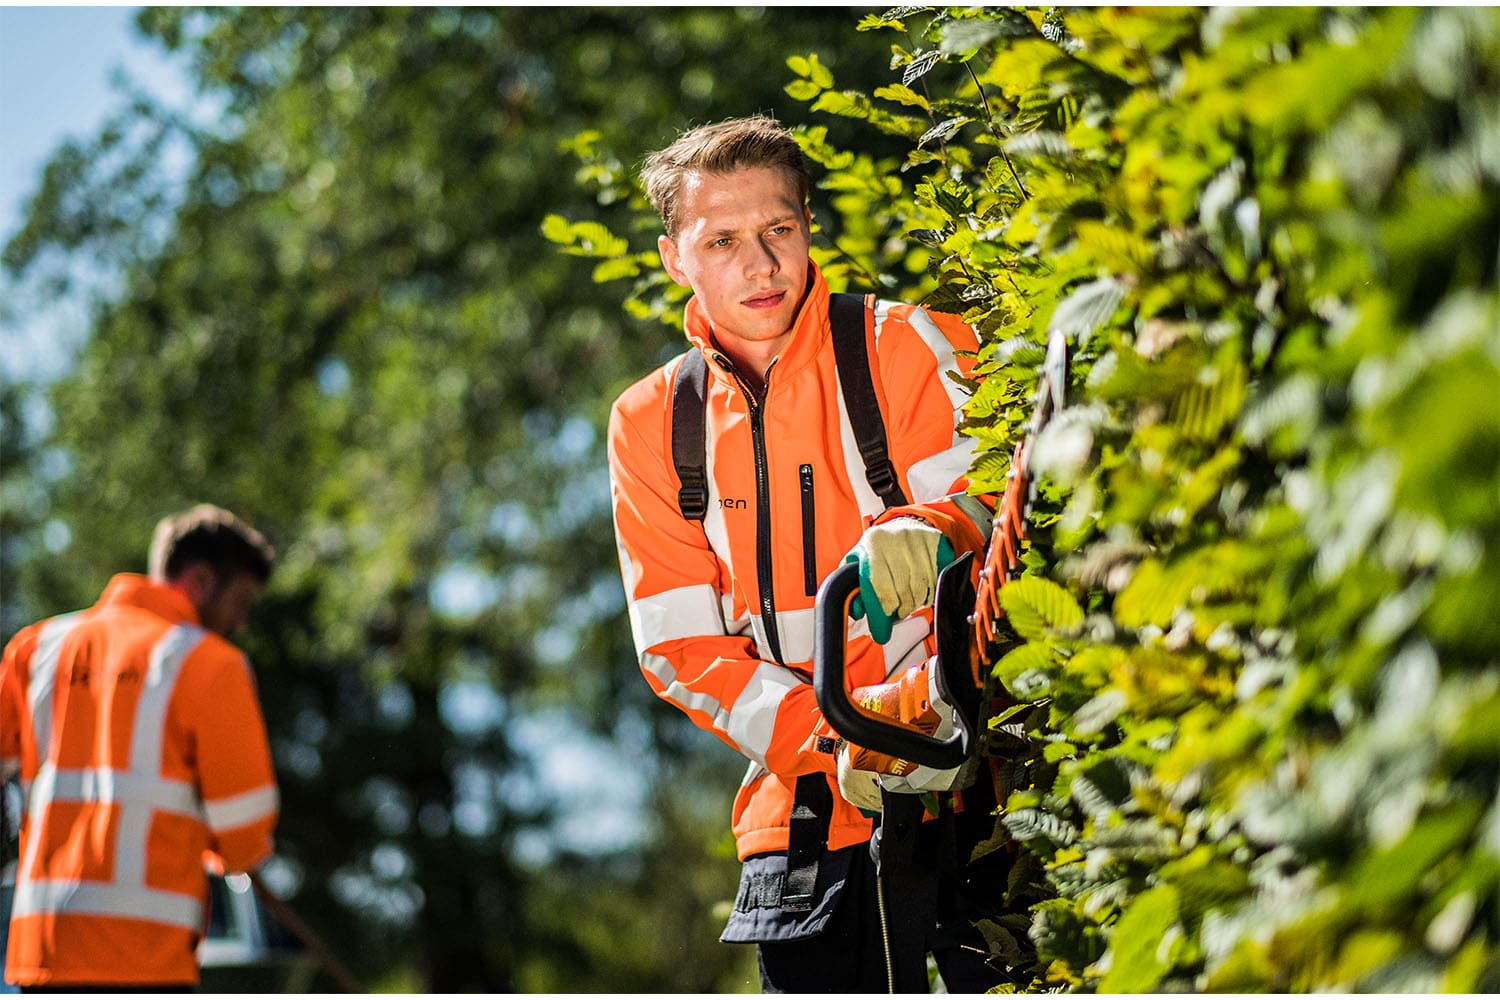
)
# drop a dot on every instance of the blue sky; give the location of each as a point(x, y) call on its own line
point(58, 72)
point(56, 66)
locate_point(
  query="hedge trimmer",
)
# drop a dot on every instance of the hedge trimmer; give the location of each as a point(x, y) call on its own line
point(970, 638)
point(966, 612)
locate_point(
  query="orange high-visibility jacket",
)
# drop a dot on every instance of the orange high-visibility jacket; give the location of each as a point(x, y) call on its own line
point(722, 611)
point(141, 746)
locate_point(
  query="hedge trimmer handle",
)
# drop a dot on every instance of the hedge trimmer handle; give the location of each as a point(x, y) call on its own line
point(874, 732)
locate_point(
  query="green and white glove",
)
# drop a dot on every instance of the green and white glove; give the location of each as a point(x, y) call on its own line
point(899, 562)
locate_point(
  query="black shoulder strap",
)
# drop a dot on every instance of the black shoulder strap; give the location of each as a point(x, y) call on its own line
point(846, 315)
point(687, 434)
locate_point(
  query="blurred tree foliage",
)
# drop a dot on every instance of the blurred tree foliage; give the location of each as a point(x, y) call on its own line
point(1258, 639)
point(344, 324)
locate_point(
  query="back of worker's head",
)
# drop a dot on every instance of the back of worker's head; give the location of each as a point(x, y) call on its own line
point(756, 141)
point(210, 535)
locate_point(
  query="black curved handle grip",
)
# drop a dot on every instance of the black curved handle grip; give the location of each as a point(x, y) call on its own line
point(849, 720)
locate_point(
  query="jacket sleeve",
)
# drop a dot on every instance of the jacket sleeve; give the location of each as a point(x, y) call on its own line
point(240, 799)
point(12, 698)
point(695, 649)
point(918, 350)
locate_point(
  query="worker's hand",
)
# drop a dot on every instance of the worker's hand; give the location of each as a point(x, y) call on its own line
point(911, 700)
point(899, 563)
point(861, 788)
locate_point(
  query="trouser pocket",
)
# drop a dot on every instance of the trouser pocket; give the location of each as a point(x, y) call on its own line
point(758, 916)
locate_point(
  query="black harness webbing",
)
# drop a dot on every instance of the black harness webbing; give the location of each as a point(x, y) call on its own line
point(812, 809)
point(688, 390)
point(846, 316)
point(812, 802)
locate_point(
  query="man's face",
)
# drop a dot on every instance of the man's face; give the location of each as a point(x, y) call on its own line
point(224, 603)
point(742, 247)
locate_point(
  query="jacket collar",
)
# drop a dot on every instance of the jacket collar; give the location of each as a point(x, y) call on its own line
point(809, 330)
point(160, 599)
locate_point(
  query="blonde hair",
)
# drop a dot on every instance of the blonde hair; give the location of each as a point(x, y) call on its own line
point(757, 141)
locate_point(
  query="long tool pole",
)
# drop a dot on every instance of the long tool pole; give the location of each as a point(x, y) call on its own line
point(288, 918)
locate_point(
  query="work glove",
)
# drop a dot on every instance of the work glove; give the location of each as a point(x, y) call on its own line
point(899, 563)
point(911, 700)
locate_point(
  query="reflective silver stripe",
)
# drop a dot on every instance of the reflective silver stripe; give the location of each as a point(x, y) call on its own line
point(749, 721)
point(882, 313)
point(630, 570)
point(166, 661)
point(934, 477)
point(676, 614)
point(147, 736)
point(942, 353)
point(678, 694)
point(797, 631)
point(869, 502)
point(908, 643)
point(733, 625)
point(241, 810)
point(36, 797)
point(105, 785)
point(43, 680)
point(39, 695)
point(758, 632)
point(752, 720)
point(39, 898)
point(797, 634)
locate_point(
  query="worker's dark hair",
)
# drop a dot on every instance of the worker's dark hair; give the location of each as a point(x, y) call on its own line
point(757, 141)
point(211, 535)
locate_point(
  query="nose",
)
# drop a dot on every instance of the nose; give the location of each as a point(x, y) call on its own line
point(761, 260)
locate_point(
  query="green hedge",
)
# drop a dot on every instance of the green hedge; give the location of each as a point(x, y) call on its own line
point(1259, 657)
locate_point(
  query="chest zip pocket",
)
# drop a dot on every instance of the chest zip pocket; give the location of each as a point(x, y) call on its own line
point(809, 533)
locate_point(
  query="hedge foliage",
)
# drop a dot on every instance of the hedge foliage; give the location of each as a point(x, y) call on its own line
point(1259, 650)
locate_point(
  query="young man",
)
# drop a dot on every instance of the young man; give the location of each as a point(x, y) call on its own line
point(722, 610)
point(141, 748)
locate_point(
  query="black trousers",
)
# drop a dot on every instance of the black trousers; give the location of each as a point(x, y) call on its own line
point(849, 956)
point(929, 907)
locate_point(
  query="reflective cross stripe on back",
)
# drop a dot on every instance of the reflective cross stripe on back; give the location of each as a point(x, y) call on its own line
point(138, 790)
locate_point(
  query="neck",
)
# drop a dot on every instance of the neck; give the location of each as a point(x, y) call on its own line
point(751, 361)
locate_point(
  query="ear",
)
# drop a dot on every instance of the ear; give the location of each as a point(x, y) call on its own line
point(196, 580)
point(672, 261)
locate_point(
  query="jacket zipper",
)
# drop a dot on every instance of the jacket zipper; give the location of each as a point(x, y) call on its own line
point(809, 533)
point(763, 555)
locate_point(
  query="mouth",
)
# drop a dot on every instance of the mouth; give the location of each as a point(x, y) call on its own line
point(765, 300)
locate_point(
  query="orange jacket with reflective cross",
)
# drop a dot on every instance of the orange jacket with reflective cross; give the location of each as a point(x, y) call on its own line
point(141, 749)
point(722, 611)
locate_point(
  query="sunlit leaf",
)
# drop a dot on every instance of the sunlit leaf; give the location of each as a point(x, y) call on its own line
point(1136, 962)
point(1036, 607)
